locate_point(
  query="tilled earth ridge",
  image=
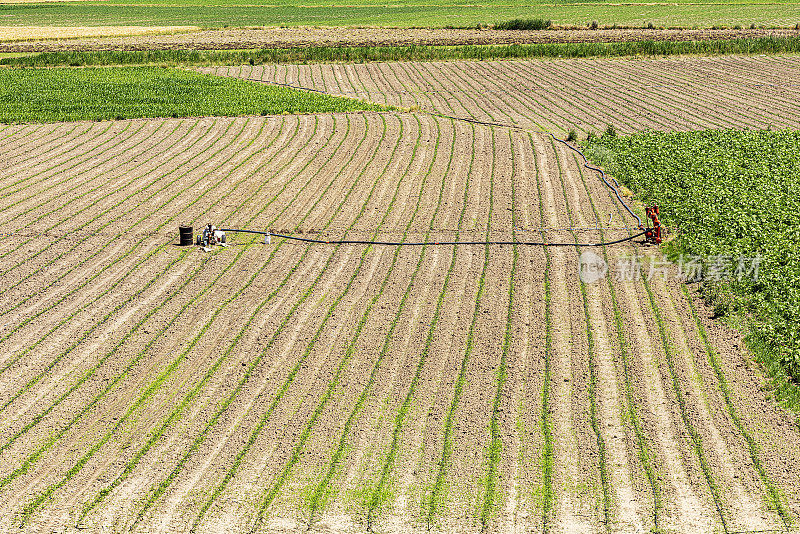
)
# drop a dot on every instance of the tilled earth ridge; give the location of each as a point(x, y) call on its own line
point(288, 387)
point(686, 93)
point(258, 38)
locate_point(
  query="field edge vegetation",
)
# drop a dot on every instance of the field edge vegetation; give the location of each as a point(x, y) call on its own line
point(365, 54)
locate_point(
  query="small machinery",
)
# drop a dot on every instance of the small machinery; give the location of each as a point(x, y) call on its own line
point(653, 235)
point(211, 236)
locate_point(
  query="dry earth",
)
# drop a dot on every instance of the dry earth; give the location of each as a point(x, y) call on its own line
point(151, 388)
point(686, 93)
point(274, 37)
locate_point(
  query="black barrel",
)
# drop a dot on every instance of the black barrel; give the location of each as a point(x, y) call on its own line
point(187, 235)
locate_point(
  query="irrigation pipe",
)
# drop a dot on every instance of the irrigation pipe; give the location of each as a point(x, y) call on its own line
point(602, 177)
point(429, 243)
point(586, 164)
point(613, 187)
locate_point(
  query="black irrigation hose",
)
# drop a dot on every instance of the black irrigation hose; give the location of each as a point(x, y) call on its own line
point(602, 177)
point(487, 123)
point(586, 164)
point(430, 243)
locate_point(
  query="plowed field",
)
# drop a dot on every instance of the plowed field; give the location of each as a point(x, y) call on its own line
point(585, 95)
point(284, 387)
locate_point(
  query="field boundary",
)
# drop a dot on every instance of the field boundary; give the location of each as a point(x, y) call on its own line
point(367, 54)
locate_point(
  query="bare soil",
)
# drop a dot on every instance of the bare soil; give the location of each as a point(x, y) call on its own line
point(585, 95)
point(286, 386)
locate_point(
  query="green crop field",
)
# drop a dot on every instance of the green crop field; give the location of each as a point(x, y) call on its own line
point(728, 194)
point(403, 14)
point(50, 95)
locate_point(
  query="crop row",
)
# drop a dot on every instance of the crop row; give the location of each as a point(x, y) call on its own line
point(644, 444)
point(276, 333)
point(68, 318)
point(107, 389)
point(602, 460)
point(88, 374)
point(433, 500)
point(573, 94)
point(246, 326)
point(281, 392)
point(320, 197)
point(100, 249)
point(262, 381)
point(129, 467)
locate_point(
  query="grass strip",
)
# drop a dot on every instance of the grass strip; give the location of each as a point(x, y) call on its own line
point(694, 435)
point(103, 93)
point(744, 46)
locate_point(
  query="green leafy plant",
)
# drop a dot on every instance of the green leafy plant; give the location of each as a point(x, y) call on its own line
point(729, 193)
point(524, 24)
point(51, 95)
point(364, 54)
